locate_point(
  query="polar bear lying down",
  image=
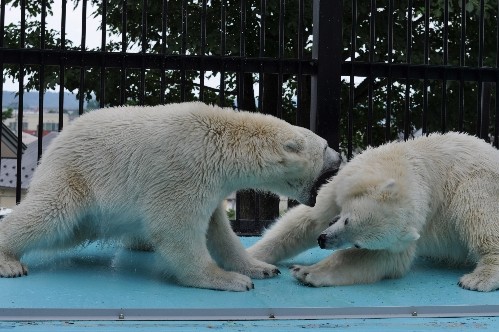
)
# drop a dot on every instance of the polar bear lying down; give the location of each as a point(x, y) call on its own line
point(157, 176)
point(435, 196)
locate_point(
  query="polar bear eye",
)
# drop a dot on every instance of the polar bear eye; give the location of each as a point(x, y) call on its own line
point(346, 221)
point(335, 219)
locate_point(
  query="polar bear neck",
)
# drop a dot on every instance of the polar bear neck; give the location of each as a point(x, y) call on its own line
point(247, 147)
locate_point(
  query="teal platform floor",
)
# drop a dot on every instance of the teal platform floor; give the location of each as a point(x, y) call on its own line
point(106, 288)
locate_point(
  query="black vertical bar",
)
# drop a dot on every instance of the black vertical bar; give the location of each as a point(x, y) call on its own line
point(61, 66)
point(22, 44)
point(485, 107)
point(164, 26)
point(202, 49)
point(370, 78)
point(2, 31)
point(282, 12)
point(223, 27)
point(326, 88)
point(496, 124)
point(424, 128)
point(353, 49)
point(389, 83)
point(247, 202)
point(103, 50)
point(82, 68)
point(261, 54)
point(183, 50)
point(408, 60)
point(2, 23)
point(142, 87)
point(183, 42)
point(301, 47)
point(462, 62)
point(443, 113)
point(242, 54)
point(480, 114)
point(41, 86)
point(123, 50)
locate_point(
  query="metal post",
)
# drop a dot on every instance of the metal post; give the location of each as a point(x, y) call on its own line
point(326, 85)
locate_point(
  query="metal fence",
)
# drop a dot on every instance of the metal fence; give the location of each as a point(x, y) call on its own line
point(356, 72)
point(426, 66)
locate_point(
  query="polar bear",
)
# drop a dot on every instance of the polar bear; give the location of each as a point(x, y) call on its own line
point(435, 196)
point(158, 176)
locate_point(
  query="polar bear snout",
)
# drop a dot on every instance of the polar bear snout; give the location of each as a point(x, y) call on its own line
point(330, 241)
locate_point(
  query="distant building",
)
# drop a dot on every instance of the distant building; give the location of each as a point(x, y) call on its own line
point(31, 119)
point(8, 168)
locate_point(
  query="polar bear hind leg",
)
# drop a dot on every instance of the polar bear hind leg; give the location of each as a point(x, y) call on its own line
point(479, 227)
point(50, 221)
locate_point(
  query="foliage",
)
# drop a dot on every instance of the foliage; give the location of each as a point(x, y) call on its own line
point(174, 43)
point(231, 214)
point(443, 96)
point(7, 114)
point(406, 116)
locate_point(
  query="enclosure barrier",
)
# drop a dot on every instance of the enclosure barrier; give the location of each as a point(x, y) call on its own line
point(357, 75)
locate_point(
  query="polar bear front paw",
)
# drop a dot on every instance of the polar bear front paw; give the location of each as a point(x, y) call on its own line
point(220, 280)
point(11, 267)
point(311, 276)
point(482, 280)
point(259, 270)
point(236, 283)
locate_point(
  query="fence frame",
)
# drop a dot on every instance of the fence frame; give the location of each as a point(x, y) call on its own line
point(325, 68)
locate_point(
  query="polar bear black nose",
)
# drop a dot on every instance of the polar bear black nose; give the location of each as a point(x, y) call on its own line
point(322, 241)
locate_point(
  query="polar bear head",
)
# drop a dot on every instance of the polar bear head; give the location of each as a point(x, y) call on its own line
point(307, 163)
point(259, 151)
point(376, 216)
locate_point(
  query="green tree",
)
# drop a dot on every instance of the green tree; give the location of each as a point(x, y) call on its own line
point(7, 114)
point(176, 44)
point(443, 96)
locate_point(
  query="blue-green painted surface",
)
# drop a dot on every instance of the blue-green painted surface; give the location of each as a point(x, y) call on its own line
point(106, 276)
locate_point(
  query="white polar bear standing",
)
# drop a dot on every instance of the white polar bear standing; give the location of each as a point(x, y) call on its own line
point(435, 196)
point(158, 176)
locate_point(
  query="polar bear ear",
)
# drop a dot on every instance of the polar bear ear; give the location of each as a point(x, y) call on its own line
point(387, 190)
point(294, 145)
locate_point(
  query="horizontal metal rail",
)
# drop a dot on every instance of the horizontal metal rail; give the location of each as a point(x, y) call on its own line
point(244, 314)
point(420, 71)
point(77, 58)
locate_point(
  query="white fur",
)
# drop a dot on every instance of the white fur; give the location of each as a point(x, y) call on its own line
point(155, 177)
point(435, 196)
